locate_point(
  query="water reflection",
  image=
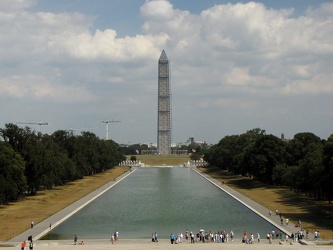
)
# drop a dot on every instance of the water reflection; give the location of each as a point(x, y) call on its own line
point(164, 200)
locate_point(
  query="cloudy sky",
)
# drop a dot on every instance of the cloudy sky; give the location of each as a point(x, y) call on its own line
point(235, 66)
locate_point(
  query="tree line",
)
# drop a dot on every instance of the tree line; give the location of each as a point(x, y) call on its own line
point(31, 161)
point(304, 163)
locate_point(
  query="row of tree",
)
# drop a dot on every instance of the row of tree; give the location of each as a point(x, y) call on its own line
point(194, 150)
point(30, 162)
point(304, 163)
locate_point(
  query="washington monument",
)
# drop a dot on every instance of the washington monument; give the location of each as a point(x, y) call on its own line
point(164, 114)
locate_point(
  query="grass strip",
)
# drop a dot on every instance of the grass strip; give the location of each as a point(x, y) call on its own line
point(16, 217)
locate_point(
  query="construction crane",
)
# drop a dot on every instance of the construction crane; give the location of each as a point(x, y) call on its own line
point(106, 122)
point(34, 123)
point(72, 130)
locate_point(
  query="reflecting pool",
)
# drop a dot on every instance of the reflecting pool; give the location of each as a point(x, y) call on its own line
point(163, 200)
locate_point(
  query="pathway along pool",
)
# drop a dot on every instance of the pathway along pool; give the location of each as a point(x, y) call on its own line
point(163, 200)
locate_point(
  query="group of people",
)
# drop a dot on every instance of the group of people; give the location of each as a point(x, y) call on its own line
point(154, 237)
point(281, 217)
point(75, 240)
point(179, 238)
point(201, 236)
point(250, 239)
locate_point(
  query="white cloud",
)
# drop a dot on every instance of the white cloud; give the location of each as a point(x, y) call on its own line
point(39, 88)
point(250, 45)
point(104, 45)
point(15, 5)
point(233, 59)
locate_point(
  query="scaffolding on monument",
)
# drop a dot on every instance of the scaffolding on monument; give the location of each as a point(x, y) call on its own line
point(164, 106)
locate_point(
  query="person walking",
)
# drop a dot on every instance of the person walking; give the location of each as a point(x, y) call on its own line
point(155, 237)
point(192, 237)
point(172, 238)
point(75, 239)
point(23, 245)
point(112, 238)
point(270, 238)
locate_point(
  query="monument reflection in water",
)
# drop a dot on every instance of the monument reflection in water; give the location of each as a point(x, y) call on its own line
point(162, 200)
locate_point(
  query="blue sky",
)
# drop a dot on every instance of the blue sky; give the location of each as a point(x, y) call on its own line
point(124, 16)
point(235, 66)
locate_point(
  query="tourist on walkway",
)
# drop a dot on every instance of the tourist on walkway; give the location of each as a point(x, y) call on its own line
point(172, 238)
point(252, 238)
point(23, 245)
point(31, 245)
point(192, 237)
point(232, 235)
point(178, 238)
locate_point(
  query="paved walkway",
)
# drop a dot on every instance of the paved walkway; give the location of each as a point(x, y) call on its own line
point(43, 227)
point(165, 245)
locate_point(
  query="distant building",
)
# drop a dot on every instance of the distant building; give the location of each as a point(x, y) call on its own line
point(164, 110)
point(284, 139)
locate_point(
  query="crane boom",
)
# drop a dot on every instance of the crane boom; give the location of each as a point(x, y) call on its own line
point(106, 122)
point(34, 123)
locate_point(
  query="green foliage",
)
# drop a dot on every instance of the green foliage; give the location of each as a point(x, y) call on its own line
point(133, 158)
point(304, 164)
point(12, 179)
point(46, 161)
point(195, 156)
point(133, 149)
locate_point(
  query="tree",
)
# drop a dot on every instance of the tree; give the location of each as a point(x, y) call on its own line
point(267, 152)
point(133, 158)
point(305, 150)
point(52, 160)
point(12, 179)
point(15, 136)
point(327, 177)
